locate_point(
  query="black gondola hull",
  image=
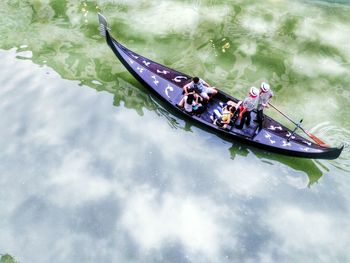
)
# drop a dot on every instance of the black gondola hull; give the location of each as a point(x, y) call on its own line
point(167, 85)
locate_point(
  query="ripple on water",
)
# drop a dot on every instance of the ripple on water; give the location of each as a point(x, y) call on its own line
point(336, 136)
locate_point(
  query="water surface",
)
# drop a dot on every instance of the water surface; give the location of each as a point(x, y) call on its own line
point(94, 169)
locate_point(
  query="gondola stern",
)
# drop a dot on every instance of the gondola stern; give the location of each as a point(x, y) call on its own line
point(328, 153)
point(339, 150)
point(333, 152)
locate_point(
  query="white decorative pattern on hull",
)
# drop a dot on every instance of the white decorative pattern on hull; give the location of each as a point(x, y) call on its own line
point(286, 144)
point(289, 135)
point(308, 143)
point(146, 63)
point(167, 89)
point(179, 78)
point(155, 80)
point(273, 128)
point(162, 72)
point(269, 136)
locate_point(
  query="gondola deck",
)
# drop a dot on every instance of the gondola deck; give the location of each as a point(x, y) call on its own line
point(167, 84)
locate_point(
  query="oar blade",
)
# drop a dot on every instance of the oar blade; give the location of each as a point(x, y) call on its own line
point(317, 140)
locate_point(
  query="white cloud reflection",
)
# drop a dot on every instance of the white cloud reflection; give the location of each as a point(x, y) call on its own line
point(302, 232)
point(317, 66)
point(192, 221)
point(75, 182)
point(333, 34)
point(159, 18)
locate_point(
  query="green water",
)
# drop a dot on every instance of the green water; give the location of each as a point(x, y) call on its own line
point(7, 259)
point(94, 169)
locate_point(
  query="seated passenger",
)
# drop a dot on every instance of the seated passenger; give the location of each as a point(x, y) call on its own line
point(191, 103)
point(222, 117)
point(237, 106)
point(200, 87)
point(182, 101)
point(227, 106)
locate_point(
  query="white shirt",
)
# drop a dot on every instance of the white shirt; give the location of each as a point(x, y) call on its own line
point(188, 107)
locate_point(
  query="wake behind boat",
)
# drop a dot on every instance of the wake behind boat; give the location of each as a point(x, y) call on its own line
point(168, 84)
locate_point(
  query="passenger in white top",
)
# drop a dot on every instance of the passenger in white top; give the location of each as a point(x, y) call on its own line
point(265, 95)
point(191, 103)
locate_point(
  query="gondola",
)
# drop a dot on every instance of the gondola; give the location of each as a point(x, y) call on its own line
point(168, 84)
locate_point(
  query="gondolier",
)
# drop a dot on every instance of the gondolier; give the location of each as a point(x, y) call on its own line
point(265, 95)
point(247, 106)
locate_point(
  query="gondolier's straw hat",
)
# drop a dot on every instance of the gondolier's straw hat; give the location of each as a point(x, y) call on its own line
point(254, 92)
point(265, 87)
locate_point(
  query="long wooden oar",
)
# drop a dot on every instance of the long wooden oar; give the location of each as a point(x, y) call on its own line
point(316, 139)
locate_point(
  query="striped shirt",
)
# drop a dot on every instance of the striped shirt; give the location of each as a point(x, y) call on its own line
point(250, 103)
point(264, 99)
